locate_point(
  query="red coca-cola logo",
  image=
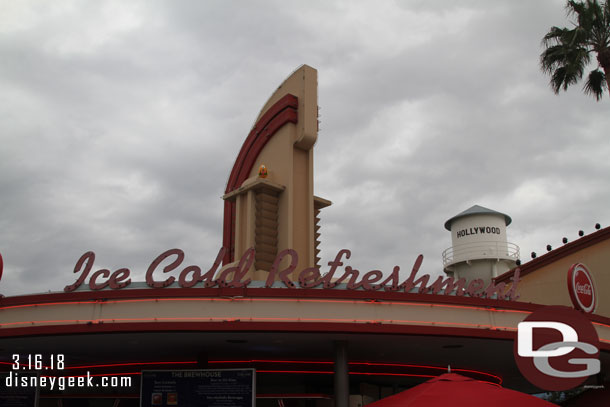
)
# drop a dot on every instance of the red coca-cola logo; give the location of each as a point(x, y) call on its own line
point(581, 288)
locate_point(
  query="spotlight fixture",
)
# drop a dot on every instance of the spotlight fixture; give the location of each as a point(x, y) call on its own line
point(518, 262)
point(581, 233)
point(549, 248)
point(598, 226)
point(564, 240)
point(533, 255)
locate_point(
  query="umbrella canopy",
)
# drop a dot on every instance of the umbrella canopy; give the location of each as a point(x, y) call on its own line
point(453, 389)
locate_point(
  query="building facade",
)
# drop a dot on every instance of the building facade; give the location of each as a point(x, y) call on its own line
point(316, 334)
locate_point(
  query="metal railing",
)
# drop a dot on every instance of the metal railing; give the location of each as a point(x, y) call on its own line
point(480, 250)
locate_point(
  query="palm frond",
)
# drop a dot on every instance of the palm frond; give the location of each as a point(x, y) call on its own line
point(568, 50)
point(602, 30)
point(557, 79)
point(574, 7)
point(596, 84)
point(554, 36)
point(586, 12)
point(552, 57)
point(576, 59)
point(595, 12)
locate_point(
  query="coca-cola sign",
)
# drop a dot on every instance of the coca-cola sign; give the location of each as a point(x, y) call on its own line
point(158, 275)
point(581, 288)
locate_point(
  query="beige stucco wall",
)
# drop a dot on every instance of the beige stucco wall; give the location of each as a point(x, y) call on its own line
point(548, 284)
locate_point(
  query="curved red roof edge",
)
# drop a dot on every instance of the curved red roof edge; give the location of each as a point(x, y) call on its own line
point(248, 326)
point(282, 112)
point(302, 293)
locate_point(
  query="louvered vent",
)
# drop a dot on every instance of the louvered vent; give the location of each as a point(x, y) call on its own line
point(318, 204)
point(265, 232)
point(316, 230)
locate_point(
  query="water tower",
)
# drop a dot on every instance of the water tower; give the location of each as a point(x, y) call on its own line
point(479, 245)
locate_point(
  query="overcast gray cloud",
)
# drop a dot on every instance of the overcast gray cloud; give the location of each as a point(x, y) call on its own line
point(120, 122)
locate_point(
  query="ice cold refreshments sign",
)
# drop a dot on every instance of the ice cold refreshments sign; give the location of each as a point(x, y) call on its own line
point(310, 277)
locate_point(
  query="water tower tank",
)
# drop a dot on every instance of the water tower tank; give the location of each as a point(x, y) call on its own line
point(479, 246)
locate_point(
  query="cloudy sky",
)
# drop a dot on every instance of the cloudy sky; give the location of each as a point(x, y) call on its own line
point(120, 122)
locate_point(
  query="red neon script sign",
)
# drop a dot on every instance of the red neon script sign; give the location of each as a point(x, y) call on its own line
point(234, 276)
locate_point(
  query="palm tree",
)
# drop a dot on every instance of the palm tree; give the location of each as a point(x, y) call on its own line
point(568, 51)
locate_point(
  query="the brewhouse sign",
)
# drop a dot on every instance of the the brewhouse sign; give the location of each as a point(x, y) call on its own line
point(310, 277)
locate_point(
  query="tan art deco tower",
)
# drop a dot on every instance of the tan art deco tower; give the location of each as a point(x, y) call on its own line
point(277, 211)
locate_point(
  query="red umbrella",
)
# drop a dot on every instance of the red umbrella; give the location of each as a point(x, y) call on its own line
point(453, 389)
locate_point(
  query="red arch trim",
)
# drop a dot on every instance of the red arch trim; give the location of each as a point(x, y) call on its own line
point(289, 104)
point(282, 112)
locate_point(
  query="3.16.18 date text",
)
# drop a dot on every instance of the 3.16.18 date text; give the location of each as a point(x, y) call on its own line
point(37, 362)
